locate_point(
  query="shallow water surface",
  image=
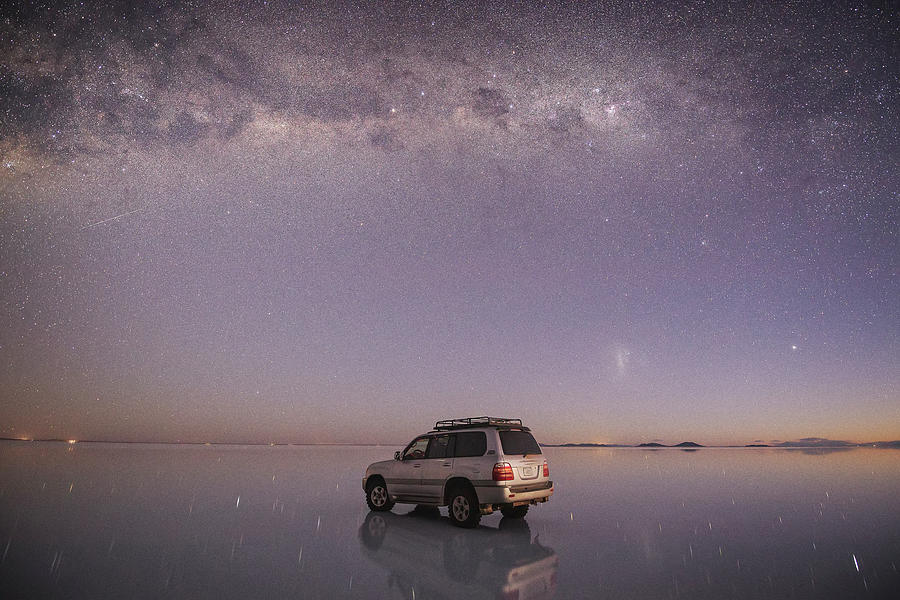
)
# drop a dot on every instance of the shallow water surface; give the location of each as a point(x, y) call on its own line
point(148, 521)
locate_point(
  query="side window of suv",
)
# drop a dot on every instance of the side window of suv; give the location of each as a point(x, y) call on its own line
point(416, 449)
point(470, 443)
point(440, 447)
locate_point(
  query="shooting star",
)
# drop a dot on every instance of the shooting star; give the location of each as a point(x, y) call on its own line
point(125, 214)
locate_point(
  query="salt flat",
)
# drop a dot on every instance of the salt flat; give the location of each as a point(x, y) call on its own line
point(147, 521)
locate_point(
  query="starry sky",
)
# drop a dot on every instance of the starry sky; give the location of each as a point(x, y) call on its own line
point(340, 222)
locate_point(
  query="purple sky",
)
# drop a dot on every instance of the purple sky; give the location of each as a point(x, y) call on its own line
point(272, 222)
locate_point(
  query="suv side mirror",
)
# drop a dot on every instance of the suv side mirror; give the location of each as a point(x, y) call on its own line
point(397, 455)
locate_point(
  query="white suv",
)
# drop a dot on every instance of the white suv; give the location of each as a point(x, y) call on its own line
point(475, 466)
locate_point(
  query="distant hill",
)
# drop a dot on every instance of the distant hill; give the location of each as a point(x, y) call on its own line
point(590, 445)
point(810, 442)
point(584, 445)
point(816, 442)
point(681, 445)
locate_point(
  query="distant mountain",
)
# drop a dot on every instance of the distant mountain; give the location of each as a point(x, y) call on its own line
point(584, 445)
point(681, 445)
point(810, 442)
point(591, 445)
point(815, 442)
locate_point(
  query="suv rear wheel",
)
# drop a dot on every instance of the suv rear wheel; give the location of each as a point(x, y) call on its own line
point(514, 512)
point(463, 508)
point(377, 496)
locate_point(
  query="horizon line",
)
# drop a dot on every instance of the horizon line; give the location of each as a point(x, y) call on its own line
point(824, 443)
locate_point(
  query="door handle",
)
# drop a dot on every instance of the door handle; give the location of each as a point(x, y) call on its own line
point(417, 466)
point(447, 464)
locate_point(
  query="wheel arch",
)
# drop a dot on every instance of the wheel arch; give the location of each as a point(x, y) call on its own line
point(455, 483)
point(375, 477)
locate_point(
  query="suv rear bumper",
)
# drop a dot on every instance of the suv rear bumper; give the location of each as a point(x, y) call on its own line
point(497, 493)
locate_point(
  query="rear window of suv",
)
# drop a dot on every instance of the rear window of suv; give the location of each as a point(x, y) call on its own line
point(518, 442)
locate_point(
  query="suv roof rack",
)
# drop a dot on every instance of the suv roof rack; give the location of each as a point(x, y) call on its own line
point(469, 422)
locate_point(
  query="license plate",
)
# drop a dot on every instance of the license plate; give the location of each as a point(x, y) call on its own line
point(529, 471)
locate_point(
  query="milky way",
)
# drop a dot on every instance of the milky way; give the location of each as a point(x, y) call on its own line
point(281, 222)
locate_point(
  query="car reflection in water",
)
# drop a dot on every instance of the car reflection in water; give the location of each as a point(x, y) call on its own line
point(425, 556)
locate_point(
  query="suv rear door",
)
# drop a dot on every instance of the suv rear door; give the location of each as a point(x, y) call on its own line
point(468, 449)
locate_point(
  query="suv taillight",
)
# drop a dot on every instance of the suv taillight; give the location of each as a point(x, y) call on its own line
point(546, 469)
point(502, 472)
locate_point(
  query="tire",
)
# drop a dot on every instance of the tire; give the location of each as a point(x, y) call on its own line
point(377, 496)
point(514, 528)
point(372, 531)
point(514, 512)
point(463, 507)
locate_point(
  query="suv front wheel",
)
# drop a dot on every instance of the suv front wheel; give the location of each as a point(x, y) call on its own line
point(377, 496)
point(463, 508)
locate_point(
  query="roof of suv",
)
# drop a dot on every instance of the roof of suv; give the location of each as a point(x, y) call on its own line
point(479, 422)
